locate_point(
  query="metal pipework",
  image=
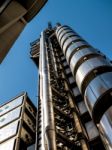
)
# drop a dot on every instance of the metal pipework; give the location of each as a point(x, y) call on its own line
point(43, 143)
point(47, 100)
point(93, 74)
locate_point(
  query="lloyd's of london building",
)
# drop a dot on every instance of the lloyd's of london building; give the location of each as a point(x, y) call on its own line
point(75, 92)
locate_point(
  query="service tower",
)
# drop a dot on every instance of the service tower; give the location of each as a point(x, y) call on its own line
point(75, 92)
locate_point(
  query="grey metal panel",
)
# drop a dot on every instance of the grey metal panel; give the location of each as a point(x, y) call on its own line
point(67, 71)
point(11, 105)
point(66, 36)
point(80, 54)
point(97, 88)
point(87, 67)
point(58, 28)
point(71, 80)
point(91, 130)
point(65, 64)
point(32, 147)
point(63, 28)
point(62, 58)
point(8, 131)
point(69, 41)
point(8, 145)
point(82, 107)
point(76, 91)
point(105, 126)
point(74, 47)
point(9, 117)
point(63, 32)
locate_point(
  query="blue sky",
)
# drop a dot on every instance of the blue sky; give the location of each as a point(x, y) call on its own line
point(92, 19)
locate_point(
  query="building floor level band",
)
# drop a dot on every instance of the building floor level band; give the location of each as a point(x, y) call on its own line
point(75, 92)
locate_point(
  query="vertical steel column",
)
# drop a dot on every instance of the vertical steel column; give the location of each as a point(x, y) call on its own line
point(93, 74)
point(47, 100)
point(43, 140)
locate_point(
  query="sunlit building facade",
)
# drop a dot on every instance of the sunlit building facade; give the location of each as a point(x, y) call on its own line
point(14, 15)
point(75, 92)
point(18, 124)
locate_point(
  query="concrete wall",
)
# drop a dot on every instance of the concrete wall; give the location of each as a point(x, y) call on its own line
point(13, 19)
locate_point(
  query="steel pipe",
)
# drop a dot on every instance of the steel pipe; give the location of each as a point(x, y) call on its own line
point(47, 101)
point(43, 140)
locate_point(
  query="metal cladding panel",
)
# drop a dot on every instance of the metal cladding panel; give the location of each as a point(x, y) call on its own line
point(9, 117)
point(74, 48)
point(32, 147)
point(9, 131)
point(67, 71)
point(65, 64)
point(82, 107)
point(58, 28)
point(91, 130)
point(63, 58)
point(95, 91)
point(106, 126)
point(79, 55)
point(66, 35)
point(76, 91)
point(11, 105)
point(64, 32)
point(8, 145)
point(71, 80)
point(61, 29)
point(70, 41)
point(87, 67)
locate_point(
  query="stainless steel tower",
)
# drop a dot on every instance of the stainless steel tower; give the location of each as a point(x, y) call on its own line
point(75, 92)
